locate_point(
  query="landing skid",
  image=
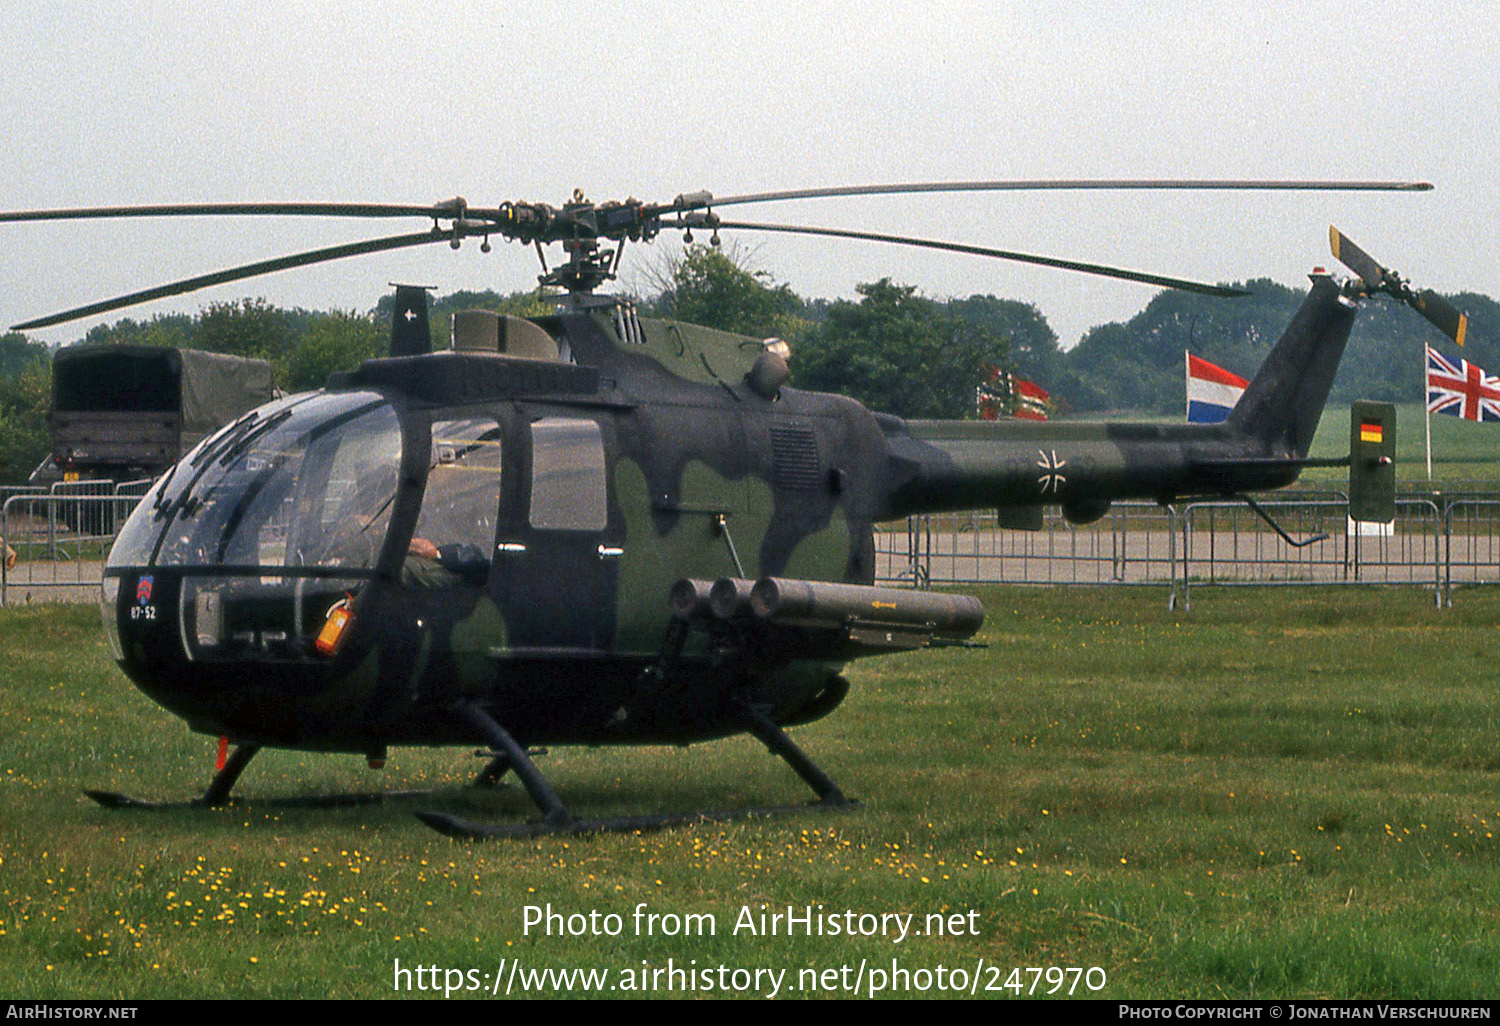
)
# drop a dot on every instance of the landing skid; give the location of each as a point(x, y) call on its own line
point(469, 830)
point(509, 756)
point(217, 795)
point(556, 819)
point(116, 800)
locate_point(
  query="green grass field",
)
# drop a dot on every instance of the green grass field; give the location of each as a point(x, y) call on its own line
point(1284, 793)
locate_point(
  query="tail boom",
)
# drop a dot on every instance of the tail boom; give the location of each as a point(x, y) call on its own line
point(938, 466)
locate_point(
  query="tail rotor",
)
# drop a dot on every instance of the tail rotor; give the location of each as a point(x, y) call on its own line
point(1442, 314)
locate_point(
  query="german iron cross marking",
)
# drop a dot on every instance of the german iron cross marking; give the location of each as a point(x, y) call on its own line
point(1050, 478)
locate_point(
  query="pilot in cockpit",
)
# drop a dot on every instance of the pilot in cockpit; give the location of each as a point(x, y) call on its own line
point(456, 526)
point(433, 566)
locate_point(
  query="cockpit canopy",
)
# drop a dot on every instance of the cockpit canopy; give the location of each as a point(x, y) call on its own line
point(307, 482)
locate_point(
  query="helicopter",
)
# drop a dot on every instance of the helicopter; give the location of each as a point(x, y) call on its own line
point(598, 528)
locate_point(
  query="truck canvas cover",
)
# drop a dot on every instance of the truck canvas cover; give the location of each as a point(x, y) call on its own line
point(133, 411)
point(206, 389)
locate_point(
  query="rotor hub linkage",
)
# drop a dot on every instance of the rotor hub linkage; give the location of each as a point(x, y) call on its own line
point(1373, 277)
point(578, 226)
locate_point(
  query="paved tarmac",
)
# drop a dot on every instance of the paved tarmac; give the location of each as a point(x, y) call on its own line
point(34, 581)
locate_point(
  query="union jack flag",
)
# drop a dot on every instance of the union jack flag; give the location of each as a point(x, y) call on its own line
point(1461, 390)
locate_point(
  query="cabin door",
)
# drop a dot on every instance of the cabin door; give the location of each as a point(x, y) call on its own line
point(556, 564)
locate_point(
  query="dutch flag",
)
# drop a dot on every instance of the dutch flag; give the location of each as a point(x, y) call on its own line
point(1211, 391)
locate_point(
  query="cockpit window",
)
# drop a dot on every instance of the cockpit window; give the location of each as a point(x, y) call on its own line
point(568, 483)
point(138, 537)
point(342, 505)
point(463, 488)
point(312, 484)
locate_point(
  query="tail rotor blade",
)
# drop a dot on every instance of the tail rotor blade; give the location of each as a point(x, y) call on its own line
point(1440, 313)
point(1356, 259)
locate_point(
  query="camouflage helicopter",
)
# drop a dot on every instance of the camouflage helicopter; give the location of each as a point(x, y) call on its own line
point(598, 528)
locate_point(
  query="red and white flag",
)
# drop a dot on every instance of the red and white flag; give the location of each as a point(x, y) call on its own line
point(1212, 391)
point(1031, 399)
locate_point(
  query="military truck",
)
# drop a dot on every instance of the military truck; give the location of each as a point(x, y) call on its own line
point(124, 413)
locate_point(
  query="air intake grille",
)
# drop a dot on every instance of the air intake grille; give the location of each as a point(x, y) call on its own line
point(795, 454)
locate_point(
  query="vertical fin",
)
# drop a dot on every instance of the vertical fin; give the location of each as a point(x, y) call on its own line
point(1284, 401)
point(410, 335)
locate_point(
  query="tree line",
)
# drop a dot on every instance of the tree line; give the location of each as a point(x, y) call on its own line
point(892, 348)
point(902, 353)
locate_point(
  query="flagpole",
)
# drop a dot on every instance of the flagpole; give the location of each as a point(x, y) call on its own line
point(1427, 413)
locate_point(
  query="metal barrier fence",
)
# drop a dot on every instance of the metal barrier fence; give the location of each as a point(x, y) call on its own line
point(1207, 543)
point(1134, 544)
point(1471, 528)
point(61, 538)
point(1226, 543)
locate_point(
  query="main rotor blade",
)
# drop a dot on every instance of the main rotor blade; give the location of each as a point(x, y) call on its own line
point(1102, 270)
point(220, 209)
point(1059, 184)
point(315, 256)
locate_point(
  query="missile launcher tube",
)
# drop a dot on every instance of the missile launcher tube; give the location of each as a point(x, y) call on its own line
point(824, 603)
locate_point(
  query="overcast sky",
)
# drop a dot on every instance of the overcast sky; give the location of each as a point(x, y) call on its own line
point(162, 102)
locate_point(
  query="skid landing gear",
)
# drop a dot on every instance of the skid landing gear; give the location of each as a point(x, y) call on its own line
point(494, 771)
point(556, 819)
point(223, 782)
point(510, 757)
point(216, 795)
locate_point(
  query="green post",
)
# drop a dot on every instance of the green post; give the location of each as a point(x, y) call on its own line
point(1372, 462)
